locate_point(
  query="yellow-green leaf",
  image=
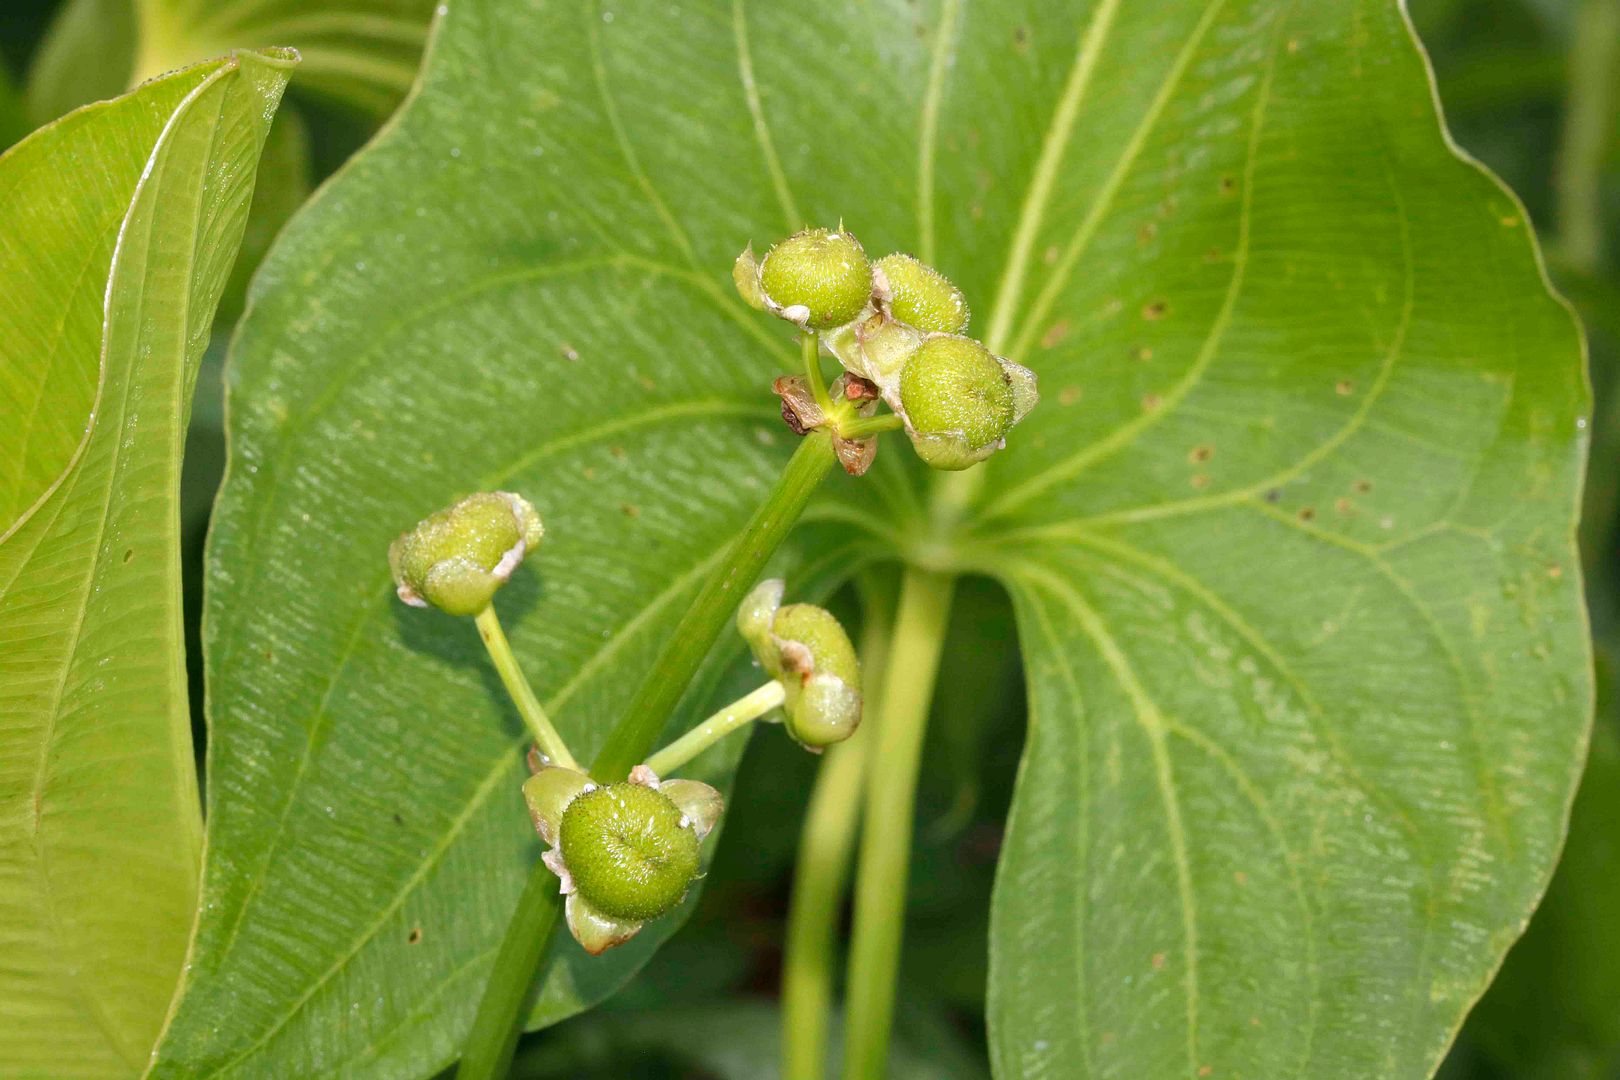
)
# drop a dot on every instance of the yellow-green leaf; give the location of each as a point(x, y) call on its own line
point(122, 221)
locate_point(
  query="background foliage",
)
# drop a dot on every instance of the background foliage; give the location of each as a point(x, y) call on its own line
point(1513, 74)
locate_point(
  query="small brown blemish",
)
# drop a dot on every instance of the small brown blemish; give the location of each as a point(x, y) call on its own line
point(1306, 513)
point(1055, 333)
point(1510, 223)
point(1151, 401)
point(415, 936)
point(1144, 354)
point(1240, 877)
point(1555, 572)
point(1200, 480)
point(1213, 255)
point(1274, 495)
point(1344, 387)
point(1205, 1070)
point(646, 382)
point(618, 452)
point(630, 510)
point(1363, 486)
point(1200, 453)
point(1228, 185)
point(1147, 232)
point(589, 471)
point(568, 351)
point(1293, 45)
point(1254, 1021)
point(1021, 38)
point(398, 820)
point(1155, 311)
point(1068, 395)
point(1158, 961)
point(128, 555)
point(1343, 506)
point(269, 656)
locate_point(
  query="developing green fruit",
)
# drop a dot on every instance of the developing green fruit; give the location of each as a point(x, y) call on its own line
point(818, 277)
point(921, 296)
point(958, 401)
point(624, 853)
point(457, 558)
point(805, 649)
point(631, 852)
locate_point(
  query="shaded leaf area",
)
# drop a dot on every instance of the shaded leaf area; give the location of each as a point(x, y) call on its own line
point(99, 826)
point(361, 54)
point(1295, 570)
point(1290, 534)
point(725, 1040)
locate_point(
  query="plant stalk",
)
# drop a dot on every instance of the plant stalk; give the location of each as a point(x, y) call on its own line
point(528, 706)
point(891, 788)
point(821, 872)
point(739, 713)
point(712, 609)
point(810, 345)
point(1588, 124)
point(487, 1053)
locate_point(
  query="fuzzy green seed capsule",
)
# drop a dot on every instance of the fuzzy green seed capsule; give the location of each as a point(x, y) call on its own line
point(819, 631)
point(821, 272)
point(631, 852)
point(456, 559)
point(921, 296)
point(957, 400)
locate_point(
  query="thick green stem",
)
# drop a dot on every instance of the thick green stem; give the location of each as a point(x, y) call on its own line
point(891, 788)
point(528, 706)
point(745, 710)
point(488, 1050)
point(821, 873)
point(689, 642)
point(1588, 125)
point(811, 347)
point(487, 1054)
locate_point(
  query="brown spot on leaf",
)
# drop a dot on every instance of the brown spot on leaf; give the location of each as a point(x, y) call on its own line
point(1158, 961)
point(1344, 387)
point(415, 936)
point(1151, 401)
point(1055, 333)
point(1363, 486)
point(1343, 506)
point(1306, 513)
point(128, 555)
point(1200, 480)
point(1155, 311)
point(630, 510)
point(1201, 453)
point(1068, 395)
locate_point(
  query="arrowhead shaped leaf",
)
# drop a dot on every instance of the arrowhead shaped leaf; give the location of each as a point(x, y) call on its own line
point(1289, 536)
point(122, 222)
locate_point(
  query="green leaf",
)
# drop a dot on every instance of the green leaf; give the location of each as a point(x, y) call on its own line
point(1295, 572)
point(124, 218)
point(1552, 1014)
point(1290, 535)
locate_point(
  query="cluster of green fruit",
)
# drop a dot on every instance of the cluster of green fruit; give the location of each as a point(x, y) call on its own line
point(898, 324)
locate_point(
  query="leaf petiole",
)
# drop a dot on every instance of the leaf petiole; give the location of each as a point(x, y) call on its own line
point(528, 706)
point(741, 712)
